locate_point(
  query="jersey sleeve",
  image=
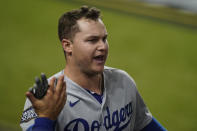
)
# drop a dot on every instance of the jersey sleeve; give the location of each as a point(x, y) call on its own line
point(43, 124)
point(28, 116)
point(143, 115)
point(154, 125)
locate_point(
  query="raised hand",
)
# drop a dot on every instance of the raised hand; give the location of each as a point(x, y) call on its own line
point(52, 103)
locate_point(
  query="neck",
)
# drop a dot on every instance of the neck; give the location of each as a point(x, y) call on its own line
point(87, 81)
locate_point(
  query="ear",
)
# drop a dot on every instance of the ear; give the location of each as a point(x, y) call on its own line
point(67, 46)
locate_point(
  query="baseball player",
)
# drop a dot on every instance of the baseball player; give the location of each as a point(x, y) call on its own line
point(88, 96)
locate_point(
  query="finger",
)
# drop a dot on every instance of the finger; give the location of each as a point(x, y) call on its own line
point(62, 98)
point(38, 82)
point(63, 92)
point(59, 84)
point(31, 97)
point(52, 81)
point(33, 89)
point(44, 80)
point(62, 104)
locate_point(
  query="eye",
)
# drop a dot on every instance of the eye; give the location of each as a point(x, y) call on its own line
point(92, 40)
point(105, 39)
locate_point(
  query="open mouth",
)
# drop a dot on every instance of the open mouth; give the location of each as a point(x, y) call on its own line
point(100, 58)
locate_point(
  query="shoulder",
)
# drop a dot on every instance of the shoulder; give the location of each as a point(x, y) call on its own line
point(56, 75)
point(115, 71)
point(118, 75)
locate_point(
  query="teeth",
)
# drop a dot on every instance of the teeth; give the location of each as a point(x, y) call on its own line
point(99, 57)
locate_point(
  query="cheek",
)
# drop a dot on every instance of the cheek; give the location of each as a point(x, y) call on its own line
point(84, 52)
point(107, 47)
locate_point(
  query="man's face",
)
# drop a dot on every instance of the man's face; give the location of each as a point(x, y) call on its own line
point(90, 46)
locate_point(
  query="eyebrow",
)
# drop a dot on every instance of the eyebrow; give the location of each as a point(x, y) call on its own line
point(96, 36)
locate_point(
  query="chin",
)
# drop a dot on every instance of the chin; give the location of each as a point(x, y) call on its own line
point(94, 70)
point(99, 69)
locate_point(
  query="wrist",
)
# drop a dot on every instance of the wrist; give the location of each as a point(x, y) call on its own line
point(52, 118)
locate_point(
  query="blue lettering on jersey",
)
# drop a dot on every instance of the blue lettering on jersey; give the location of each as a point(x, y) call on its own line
point(75, 124)
point(111, 120)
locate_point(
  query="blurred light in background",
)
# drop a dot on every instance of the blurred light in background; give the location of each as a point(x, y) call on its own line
point(189, 5)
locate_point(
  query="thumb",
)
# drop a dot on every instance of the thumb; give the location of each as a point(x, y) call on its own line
point(31, 97)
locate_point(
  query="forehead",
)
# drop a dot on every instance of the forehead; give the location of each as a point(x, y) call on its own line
point(90, 27)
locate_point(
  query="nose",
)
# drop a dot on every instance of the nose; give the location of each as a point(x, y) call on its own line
point(103, 45)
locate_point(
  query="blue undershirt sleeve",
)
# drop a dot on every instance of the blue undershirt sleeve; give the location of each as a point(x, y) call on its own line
point(42, 124)
point(154, 125)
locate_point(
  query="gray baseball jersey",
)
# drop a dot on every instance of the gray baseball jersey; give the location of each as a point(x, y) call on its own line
point(122, 108)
